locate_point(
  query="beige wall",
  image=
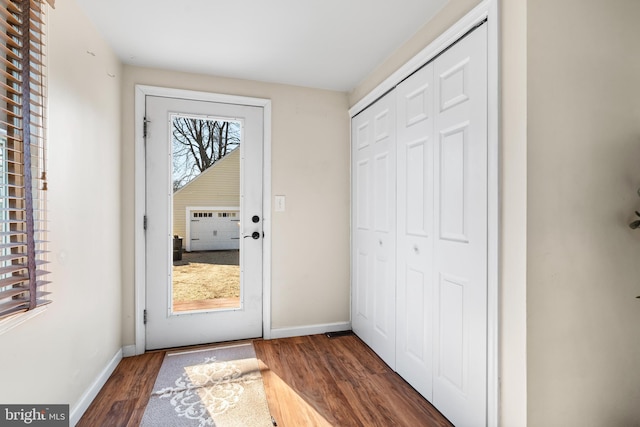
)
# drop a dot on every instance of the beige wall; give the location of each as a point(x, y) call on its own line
point(310, 151)
point(448, 15)
point(55, 357)
point(513, 190)
point(583, 260)
point(217, 186)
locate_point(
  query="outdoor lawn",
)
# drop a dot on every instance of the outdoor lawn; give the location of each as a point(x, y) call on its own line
point(206, 275)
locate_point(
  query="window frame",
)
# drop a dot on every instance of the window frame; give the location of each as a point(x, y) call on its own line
point(23, 181)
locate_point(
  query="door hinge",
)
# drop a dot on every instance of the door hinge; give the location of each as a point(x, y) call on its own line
point(144, 223)
point(144, 316)
point(144, 127)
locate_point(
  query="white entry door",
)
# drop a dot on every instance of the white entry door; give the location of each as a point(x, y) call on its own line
point(165, 325)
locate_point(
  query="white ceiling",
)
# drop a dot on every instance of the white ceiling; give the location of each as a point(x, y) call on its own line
point(327, 44)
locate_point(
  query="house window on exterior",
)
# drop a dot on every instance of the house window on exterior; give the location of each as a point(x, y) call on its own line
point(23, 185)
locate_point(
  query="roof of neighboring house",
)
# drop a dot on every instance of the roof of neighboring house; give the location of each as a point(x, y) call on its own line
point(209, 169)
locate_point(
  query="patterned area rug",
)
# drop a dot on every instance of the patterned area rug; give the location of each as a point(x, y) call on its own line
point(219, 387)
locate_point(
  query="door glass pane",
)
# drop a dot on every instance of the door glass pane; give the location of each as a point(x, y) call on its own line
point(206, 213)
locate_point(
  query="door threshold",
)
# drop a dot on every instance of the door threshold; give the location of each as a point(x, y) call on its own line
point(207, 304)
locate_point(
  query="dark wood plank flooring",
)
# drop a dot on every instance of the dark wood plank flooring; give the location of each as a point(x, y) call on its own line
point(122, 400)
point(309, 381)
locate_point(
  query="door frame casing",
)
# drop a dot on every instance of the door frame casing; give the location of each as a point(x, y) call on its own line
point(141, 92)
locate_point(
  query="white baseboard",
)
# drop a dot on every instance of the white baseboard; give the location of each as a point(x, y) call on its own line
point(299, 331)
point(129, 350)
point(81, 406)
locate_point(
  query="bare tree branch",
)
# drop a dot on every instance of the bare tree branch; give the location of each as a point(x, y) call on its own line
point(198, 144)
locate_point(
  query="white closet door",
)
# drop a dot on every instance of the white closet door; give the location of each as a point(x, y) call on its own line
point(374, 227)
point(460, 250)
point(414, 342)
point(435, 333)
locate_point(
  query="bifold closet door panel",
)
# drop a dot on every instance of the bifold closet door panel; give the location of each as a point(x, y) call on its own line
point(361, 229)
point(414, 324)
point(460, 218)
point(374, 227)
point(419, 229)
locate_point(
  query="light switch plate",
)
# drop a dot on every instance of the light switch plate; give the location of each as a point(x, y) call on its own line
point(280, 202)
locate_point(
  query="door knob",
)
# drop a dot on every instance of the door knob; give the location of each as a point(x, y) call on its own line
point(255, 235)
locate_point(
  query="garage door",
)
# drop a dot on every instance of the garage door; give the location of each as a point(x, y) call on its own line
point(214, 230)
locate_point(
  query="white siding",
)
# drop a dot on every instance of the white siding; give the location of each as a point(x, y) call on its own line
point(217, 186)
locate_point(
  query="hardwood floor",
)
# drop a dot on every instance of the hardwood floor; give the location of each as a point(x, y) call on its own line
point(309, 381)
point(122, 400)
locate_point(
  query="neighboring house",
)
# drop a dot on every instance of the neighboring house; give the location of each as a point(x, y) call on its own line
point(212, 200)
